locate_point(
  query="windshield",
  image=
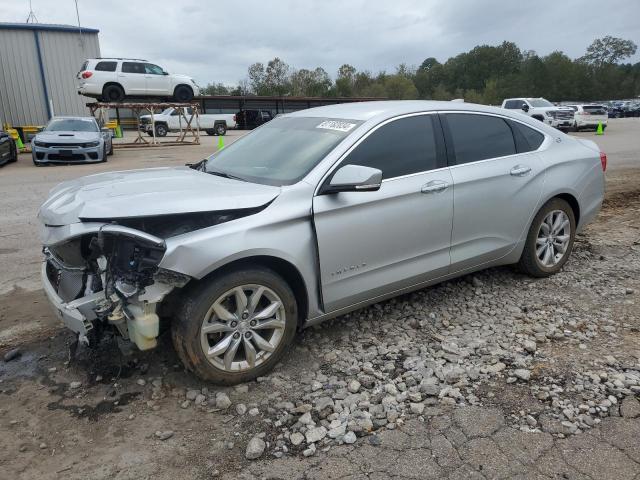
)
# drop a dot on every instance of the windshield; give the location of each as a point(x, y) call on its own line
point(72, 125)
point(282, 151)
point(540, 102)
point(167, 111)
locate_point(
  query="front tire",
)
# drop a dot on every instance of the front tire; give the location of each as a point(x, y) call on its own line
point(183, 94)
point(161, 130)
point(550, 239)
point(235, 327)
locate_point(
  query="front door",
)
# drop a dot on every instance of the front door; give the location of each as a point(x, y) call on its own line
point(157, 82)
point(374, 243)
point(498, 179)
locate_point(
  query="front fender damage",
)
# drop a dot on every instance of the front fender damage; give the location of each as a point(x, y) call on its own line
point(105, 277)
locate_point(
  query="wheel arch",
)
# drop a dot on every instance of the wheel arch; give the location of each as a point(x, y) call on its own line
point(183, 85)
point(573, 203)
point(117, 84)
point(282, 267)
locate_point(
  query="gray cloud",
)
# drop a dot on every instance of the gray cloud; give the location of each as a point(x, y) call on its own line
point(218, 41)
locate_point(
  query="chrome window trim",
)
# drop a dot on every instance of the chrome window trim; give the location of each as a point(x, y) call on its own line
point(543, 146)
point(337, 163)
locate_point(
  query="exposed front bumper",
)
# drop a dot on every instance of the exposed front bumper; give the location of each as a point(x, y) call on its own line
point(76, 314)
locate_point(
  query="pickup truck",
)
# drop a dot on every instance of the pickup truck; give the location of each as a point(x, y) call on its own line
point(170, 121)
point(543, 110)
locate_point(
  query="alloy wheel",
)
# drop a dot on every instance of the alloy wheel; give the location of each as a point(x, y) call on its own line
point(243, 327)
point(554, 236)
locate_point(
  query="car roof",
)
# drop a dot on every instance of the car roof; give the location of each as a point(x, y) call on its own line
point(365, 111)
point(116, 58)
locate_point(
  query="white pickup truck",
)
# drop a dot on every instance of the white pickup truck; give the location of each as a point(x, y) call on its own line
point(170, 120)
point(543, 110)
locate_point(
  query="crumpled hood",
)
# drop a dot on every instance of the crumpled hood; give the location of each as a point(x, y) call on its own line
point(148, 192)
point(67, 137)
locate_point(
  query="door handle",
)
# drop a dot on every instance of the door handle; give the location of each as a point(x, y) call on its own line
point(434, 186)
point(520, 170)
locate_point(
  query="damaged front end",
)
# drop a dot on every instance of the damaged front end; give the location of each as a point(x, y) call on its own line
point(105, 276)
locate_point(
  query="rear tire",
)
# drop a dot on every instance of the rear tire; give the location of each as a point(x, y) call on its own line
point(183, 94)
point(220, 129)
point(197, 312)
point(113, 93)
point(210, 131)
point(541, 240)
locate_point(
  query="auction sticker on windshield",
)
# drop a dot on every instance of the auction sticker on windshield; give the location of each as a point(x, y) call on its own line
point(336, 125)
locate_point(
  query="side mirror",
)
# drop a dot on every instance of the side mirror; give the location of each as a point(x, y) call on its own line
point(165, 73)
point(106, 131)
point(354, 178)
point(525, 107)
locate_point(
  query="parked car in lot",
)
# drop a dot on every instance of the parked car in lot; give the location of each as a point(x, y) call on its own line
point(71, 140)
point(543, 110)
point(250, 119)
point(114, 79)
point(170, 121)
point(589, 116)
point(8, 149)
point(315, 214)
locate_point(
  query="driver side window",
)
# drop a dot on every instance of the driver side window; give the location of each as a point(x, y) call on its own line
point(402, 147)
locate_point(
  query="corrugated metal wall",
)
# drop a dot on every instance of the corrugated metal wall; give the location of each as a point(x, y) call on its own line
point(22, 94)
point(22, 100)
point(62, 57)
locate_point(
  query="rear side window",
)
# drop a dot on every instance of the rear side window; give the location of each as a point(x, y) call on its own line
point(401, 147)
point(133, 67)
point(478, 137)
point(527, 139)
point(513, 104)
point(84, 66)
point(106, 66)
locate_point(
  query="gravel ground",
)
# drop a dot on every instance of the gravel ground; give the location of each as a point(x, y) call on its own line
point(493, 375)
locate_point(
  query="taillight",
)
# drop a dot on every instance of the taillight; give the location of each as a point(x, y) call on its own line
point(603, 161)
point(234, 118)
point(86, 74)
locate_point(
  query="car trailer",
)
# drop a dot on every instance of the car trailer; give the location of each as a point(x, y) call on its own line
point(189, 134)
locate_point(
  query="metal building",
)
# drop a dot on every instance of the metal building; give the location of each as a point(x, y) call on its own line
point(38, 67)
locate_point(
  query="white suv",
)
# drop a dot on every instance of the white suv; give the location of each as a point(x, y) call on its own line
point(113, 79)
point(543, 110)
point(589, 116)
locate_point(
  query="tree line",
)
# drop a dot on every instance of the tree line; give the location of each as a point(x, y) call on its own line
point(485, 74)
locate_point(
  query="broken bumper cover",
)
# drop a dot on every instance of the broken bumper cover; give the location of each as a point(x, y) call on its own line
point(77, 315)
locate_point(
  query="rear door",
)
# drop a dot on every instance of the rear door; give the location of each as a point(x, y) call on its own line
point(157, 82)
point(498, 183)
point(373, 243)
point(132, 78)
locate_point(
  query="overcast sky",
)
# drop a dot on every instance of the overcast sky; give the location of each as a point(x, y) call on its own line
point(217, 41)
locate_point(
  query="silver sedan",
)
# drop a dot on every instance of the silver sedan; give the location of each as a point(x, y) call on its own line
point(310, 216)
point(71, 140)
